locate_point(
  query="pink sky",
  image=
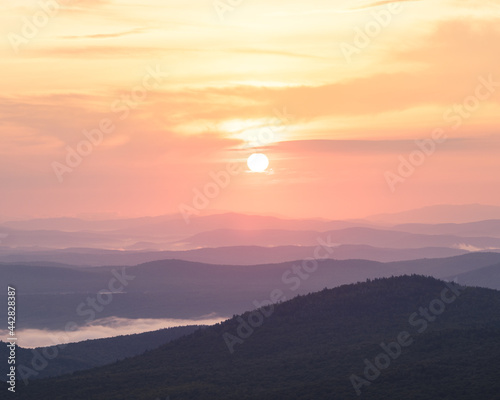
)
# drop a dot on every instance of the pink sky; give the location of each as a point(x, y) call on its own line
point(184, 92)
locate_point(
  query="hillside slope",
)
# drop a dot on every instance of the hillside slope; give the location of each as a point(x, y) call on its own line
point(310, 347)
point(87, 354)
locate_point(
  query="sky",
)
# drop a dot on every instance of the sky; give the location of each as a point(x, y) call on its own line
point(146, 108)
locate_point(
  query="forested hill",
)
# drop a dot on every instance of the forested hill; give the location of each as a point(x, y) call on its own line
point(86, 354)
point(316, 346)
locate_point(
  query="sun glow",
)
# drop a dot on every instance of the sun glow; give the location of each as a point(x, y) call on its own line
point(258, 162)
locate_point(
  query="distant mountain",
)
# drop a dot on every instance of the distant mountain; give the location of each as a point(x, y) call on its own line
point(487, 277)
point(187, 290)
point(440, 214)
point(147, 233)
point(236, 255)
point(58, 239)
point(489, 228)
point(169, 226)
point(90, 353)
point(222, 230)
point(77, 224)
point(396, 334)
point(359, 235)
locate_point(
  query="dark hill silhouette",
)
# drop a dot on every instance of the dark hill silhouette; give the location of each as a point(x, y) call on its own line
point(90, 353)
point(188, 290)
point(310, 347)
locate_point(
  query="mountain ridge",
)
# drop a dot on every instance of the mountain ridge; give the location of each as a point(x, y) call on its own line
point(310, 346)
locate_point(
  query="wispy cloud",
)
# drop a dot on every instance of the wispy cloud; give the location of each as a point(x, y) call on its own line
point(108, 35)
point(105, 328)
point(361, 5)
point(341, 9)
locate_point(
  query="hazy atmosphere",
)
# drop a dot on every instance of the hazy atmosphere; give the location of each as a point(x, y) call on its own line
point(249, 199)
point(180, 90)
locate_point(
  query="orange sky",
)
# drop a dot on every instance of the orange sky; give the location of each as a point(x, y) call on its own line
point(184, 90)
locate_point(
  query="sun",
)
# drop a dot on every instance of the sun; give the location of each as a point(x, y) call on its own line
point(258, 162)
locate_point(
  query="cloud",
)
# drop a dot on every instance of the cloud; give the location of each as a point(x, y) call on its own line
point(341, 9)
point(348, 146)
point(108, 35)
point(469, 247)
point(460, 47)
point(86, 51)
point(105, 328)
point(371, 4)
point(95, 52)
point(440, 68)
